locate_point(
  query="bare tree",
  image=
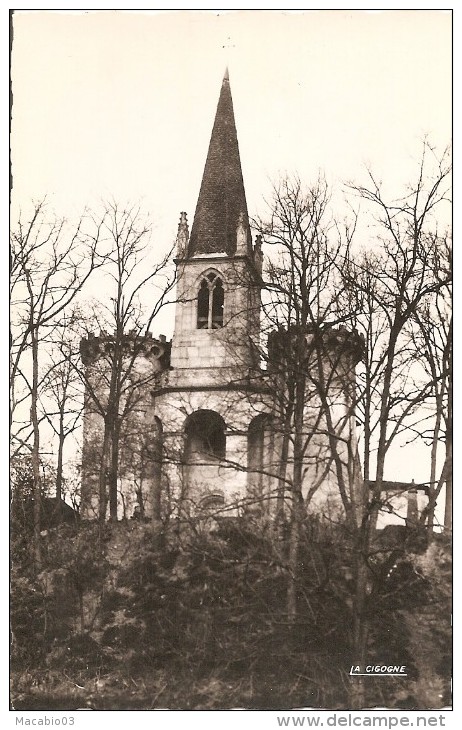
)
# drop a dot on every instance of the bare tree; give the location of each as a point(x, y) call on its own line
point(61, 397)
point(114, 382)
point(301, 311)
point(432, 336)
point(50, 263)
point(393, 285)
point(389, 286)
point(378, 294)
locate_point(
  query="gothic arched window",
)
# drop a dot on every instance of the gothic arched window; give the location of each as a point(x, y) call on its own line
point(210, 301)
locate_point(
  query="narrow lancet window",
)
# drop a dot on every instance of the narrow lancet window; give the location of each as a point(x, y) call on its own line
point(203, 306)
point(210, 303)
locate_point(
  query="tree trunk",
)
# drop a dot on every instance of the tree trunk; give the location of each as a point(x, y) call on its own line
point(35, 453)
point(59, 469)
point(297, 501)
point(448, 502)
point(367, 428)
point(114, 472)
point(294, 544)
point(433, 460)
point(282, 471)
point(360, 624)
point(156, 489)
point(287, 409)
point(449, 454)
point(103, 472)
point(383, 423)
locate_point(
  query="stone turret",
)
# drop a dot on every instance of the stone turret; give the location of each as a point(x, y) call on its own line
point(339, 346)
point(142, 359)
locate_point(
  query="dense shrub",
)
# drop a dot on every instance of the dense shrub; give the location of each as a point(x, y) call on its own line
point(209, 609)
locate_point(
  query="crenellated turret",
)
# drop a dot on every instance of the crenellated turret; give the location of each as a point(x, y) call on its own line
point(146, 346)
point(341, 349)
point(121, 371)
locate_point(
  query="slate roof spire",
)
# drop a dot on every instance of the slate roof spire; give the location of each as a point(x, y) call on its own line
point(221, 206)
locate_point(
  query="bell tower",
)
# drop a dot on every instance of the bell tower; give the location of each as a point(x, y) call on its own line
point(209, 395)
point(218, 307)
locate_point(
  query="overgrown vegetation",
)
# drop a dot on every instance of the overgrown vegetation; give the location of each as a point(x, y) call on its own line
point(112, 622)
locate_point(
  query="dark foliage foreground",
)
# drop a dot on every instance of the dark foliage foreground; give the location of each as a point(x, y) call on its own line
point(112, 622)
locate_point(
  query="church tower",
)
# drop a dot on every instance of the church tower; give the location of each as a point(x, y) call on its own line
point(207, 399)
point(209, 433)
point(217, 313)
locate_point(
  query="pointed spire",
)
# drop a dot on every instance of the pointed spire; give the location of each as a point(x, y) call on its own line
point(221, 210)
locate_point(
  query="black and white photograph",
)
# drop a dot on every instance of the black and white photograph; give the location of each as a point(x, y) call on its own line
point(231, 364)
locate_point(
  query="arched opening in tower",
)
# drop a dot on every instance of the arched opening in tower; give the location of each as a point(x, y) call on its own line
point(204, 449)
point(205, 436)
point(259, 456)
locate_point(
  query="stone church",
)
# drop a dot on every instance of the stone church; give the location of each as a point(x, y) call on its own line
point(205, 434)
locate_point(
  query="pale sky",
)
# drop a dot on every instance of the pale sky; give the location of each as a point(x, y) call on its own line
point(121, 104)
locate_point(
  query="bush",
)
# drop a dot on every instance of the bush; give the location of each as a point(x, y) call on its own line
point(209, 611)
